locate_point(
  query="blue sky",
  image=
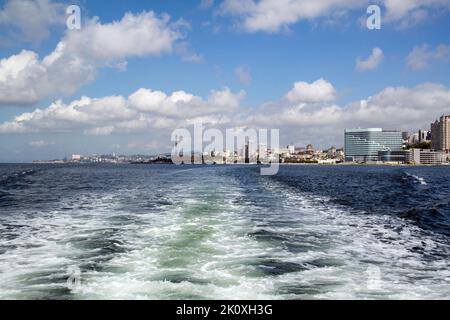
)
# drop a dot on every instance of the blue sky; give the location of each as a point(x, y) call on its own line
point(324, 46)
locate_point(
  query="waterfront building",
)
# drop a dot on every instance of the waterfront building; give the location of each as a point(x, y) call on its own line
point(403, 156)
point(76, 157)
point(440, 134)
point(413, 156)
point(363, 145)
point(428, 157)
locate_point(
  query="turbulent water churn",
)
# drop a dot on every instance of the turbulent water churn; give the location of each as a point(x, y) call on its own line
point(224, 232)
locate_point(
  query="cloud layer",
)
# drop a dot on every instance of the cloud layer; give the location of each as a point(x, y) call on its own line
point(276, 15)
point(399, 108)
point(31, 20)
point(143, 110)
point(421, 56)
point(308, 112)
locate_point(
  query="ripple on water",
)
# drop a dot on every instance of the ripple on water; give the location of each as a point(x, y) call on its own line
point(211, 236)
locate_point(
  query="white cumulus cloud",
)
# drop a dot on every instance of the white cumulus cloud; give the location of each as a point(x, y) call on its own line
point(145, 109)
point(408, 13)
point(26, 79)
point(402, 108)
point(307, 113)
point(318, 91)
point(372, 62)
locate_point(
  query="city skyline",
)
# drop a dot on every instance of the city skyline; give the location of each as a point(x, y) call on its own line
point(361, 145)
point(206, 60)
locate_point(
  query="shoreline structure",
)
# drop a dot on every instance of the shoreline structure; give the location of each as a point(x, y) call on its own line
point(348, 164)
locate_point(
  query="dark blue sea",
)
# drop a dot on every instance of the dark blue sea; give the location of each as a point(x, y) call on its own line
point(224, 232)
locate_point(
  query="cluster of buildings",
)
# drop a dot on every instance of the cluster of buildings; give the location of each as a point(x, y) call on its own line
point(261, 154)
point(107, 158)
point(421, 136)
point(311, 155)
point(374, 145)
point(429, 147)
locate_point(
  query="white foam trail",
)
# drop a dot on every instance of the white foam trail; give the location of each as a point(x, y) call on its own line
point(359, 241)
point(214, 238)
point(418, 179)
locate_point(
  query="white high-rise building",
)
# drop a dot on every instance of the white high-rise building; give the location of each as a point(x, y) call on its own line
point(291, 148)
point(424, 135)
point(440, 134)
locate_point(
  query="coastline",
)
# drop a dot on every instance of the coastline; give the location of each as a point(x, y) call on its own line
point(235, 164)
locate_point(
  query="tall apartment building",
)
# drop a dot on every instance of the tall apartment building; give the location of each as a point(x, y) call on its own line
point(440, 134)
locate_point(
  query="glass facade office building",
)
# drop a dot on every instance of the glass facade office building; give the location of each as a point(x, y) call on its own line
point(363, 145)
